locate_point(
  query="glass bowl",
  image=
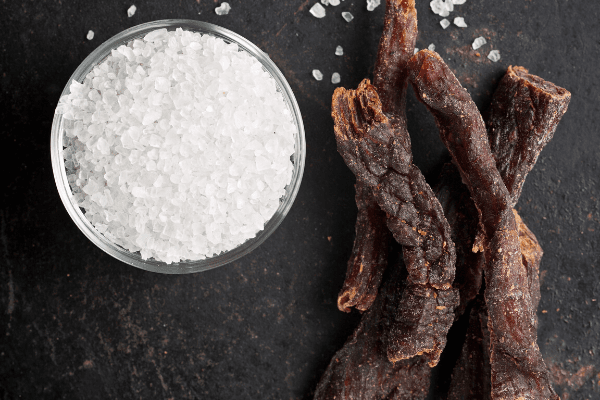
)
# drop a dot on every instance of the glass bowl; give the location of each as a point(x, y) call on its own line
point(182, 267)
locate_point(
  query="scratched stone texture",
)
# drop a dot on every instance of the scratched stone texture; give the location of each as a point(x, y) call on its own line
point(75, 323)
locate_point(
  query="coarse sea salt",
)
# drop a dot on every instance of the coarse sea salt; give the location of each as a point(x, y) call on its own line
point(318, 75)
point(372, 4)
point(347, 16)
point(339, 51)
point(335, 78)
point(317, 10)
point(177, 146)
point(445, 23)
point(223, 9)
point(90, 35)
point(431, 47)
point(477, 43)
point(494, 56)
point(131, 11)
point(334, 2)
point(460, 22)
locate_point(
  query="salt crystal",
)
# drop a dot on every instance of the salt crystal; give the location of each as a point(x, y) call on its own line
point(460, 22)
point(441, 7)
point(347, 16)
point(477, 43)
point(335, 78)
point(416, 50)
point(90, 35)
point(459, 1)
point(445, 23)
point(223, 9)
point(131, 11)
point(318, 75)
point(339, 51)
point(494, 55)
point(317, 10)
point(334, 2)
point(431, 47)
point(325, 2)
point(372, 4)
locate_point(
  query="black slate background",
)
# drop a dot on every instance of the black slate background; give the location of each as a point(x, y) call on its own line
point(75, 323)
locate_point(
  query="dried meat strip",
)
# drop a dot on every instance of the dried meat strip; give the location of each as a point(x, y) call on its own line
point(471, 375)
point(360, 370)
point(366, 141)
point(518, 369)
point(370, 252)
point(523, 117)
point(471, 378)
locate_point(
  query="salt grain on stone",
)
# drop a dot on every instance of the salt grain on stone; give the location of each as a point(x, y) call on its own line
point(459, 2)
point(334, 2)
point(372, 4)
point(317, 10)
point(174, 152)
point(477, 43)
point(335, 78)
point(339, 51)
point(431, 47)
point(130, 11)
point(325, 2)
point(223, 9)
point(460, 22)
point(494, 55)
point(347, 16)
point(443, 8)
point(90, 35)
point(445, 23)
point(318, 75)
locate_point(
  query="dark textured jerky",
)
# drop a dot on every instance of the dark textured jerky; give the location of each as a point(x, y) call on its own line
point(523, 117)
point(461, 214)
point(369, 254)
point(367, 142)
point(360, 370)
point(471, 378)
point(518, 369)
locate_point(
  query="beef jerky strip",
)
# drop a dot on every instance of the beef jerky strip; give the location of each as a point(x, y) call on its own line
point(523, 116)
point(360, 370)
point(518, 369)
point(365, 140)
point(471, 378)
point(370, 251)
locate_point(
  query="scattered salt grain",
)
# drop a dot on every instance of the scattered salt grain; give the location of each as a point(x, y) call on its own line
point(460, 22)
point(477, 43)
point(169, 155)
point(318, 75)
point(445, 23)
point(334, 2)
point(494, 55)
point(317, 10)
point(130, 11)
point(347, 16)
point(90, 35)
point(339, 51)
point(459, 2)
point(325, 2)
point(416, 50)
point(335, 78)
point(443, 8)
point(431, 47)
point(223, 9)
point(372, 4)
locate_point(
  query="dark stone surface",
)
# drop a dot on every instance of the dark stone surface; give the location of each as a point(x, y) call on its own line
point(75, 323)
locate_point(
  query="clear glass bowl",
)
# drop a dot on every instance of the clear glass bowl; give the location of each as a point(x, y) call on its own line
point(135, 259)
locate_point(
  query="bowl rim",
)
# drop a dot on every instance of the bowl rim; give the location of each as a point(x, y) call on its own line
point(184, 267)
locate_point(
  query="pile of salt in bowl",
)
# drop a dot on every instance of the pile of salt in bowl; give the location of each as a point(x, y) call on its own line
point(177, 146)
